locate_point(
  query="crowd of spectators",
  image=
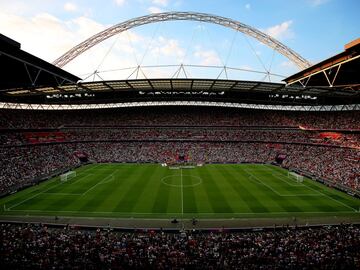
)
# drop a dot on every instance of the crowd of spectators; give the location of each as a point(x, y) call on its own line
point(211, 134)
point(337, 164)
point(22, 166)
point(41, 247)
point(179, 116)
point(214, 134)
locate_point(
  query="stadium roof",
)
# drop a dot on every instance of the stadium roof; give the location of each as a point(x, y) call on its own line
point(27, 79)
point(19, 69)
point(340, 71)
point(183, 89)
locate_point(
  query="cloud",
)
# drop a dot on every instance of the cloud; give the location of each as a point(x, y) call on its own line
point(119, 2)
point(281, 31)
point(154, 10)
point(85, 27)
point(48, 37)
point(287, 67)
point(288, 64)
point(247, 67)
point(316, 3)
point(43, 35)
point(168, 47)
point(178, 3)
point(248, 6)
point(71, 7)
point(207, 57)
point(163, 3)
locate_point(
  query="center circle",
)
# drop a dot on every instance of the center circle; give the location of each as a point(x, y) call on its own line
point(186, 179)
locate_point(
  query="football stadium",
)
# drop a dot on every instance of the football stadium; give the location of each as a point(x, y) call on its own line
point(204, 162)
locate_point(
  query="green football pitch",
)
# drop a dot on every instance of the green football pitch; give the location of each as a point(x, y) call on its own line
point(152, 191)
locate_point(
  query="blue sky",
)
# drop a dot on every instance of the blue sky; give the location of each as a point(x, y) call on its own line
point(316, 29)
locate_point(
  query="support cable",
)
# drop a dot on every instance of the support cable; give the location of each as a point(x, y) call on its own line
point(257, 56)
point(271, 62)
point(190, 43)
point(231, 47)
point(108, 51)
point(149, 44)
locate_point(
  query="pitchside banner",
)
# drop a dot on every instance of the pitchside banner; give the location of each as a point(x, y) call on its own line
point(280, 158)
point(44, 137)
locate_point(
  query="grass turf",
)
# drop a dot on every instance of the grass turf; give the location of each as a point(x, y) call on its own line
point(153, 191)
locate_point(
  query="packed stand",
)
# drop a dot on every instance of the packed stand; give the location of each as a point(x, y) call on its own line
point(351, 140)
point(178, 116)
point(21, 166)
point(42, 247)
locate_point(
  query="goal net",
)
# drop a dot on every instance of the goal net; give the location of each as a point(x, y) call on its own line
point(66, 176)
point(299, 178)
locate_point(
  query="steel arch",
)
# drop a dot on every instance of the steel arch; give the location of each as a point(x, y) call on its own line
point(177, 16)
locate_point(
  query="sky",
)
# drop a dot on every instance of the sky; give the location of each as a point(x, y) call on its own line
point(315, 29)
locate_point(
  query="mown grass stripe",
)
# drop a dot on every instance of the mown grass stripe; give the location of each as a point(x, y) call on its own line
point(56, 202)
point(190, 202)
point(123, 179)
point(146, 200)
point(82, 203)
point(245, 195)
point(339, 198)
point(84, 183)
point(216, 198)
point(161, 200)
point(26, 194)
point(129, 200)
point(336, 197)
point(202, 200)
point(95, 198)
point(257, 199)
point(284, 203)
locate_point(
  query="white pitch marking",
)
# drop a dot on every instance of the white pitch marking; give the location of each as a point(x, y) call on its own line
point(323, 194)
point(110, 175)
point(275, 191)
point(37, 194)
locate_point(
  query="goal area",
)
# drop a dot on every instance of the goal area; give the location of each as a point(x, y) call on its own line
point(293, 175)
point(66, 176)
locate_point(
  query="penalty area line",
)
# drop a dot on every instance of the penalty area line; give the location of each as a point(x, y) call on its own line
point(335, 200)
point(31, 197)
point(259, 181)
point(323, 194)
point(91, 188)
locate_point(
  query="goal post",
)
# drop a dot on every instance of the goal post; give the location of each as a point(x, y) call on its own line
point(293, 175)
point(68, 175)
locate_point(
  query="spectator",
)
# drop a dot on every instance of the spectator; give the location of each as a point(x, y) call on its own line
point(42, 247)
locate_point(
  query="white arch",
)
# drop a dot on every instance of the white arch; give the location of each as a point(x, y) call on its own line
point(176, 16)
